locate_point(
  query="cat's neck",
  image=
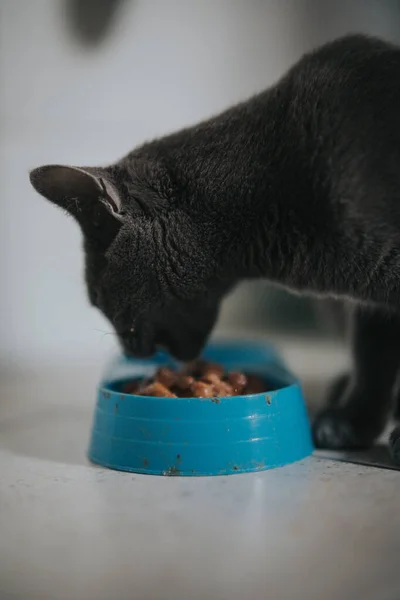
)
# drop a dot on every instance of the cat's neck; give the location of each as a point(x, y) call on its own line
point(248, 162)
point(249, 165)
point(233, 157)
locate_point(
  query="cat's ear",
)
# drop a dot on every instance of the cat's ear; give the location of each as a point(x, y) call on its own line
point(88, 195)
point(77, 190)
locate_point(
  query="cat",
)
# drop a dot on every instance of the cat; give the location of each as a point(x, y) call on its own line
point(299, 185)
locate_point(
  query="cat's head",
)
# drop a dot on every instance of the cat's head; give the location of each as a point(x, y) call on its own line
point(152, 260)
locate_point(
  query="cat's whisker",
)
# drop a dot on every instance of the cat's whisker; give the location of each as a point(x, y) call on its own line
point(105, 333)
point(76, 200)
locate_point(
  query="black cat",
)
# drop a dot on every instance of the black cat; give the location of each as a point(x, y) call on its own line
point(299, 185)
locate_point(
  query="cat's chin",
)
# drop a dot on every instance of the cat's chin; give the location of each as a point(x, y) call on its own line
point(141, 354)
point(179, 351)
point(132, 348)
point(183, 355)
point(180, 355)
point(181, 346)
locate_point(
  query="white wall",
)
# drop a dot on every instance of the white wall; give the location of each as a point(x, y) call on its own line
point(167, 64)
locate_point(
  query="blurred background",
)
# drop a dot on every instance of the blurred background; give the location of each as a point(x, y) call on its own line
point(83, 82)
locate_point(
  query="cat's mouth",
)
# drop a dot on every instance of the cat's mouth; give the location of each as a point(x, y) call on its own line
point(180, 346)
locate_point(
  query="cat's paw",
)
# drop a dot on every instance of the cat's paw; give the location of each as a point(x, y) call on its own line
point(394, 445)
point(333, 429)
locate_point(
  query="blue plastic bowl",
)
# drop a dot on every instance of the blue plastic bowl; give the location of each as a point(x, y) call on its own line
point(202, 436)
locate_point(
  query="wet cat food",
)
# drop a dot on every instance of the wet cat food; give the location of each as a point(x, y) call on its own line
point(199, 379)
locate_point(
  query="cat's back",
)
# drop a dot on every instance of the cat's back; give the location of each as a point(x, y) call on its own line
point(345, 107)
point(354, 60)
point(355, 76)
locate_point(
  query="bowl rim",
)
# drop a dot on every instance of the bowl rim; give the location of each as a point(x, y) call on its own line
point(108, 390)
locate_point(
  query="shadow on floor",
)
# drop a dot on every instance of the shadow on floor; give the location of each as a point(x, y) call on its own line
point(378, 456)
point(59, 434)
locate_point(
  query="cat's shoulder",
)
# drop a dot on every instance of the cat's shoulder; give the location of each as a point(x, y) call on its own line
point(352, 49)
point(348, 67)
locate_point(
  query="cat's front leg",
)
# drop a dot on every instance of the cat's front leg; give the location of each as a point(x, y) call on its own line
point(394, 439)
point(394, 445)
point(360, 410)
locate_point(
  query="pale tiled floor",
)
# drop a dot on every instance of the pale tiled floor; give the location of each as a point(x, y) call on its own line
point(318, 530)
